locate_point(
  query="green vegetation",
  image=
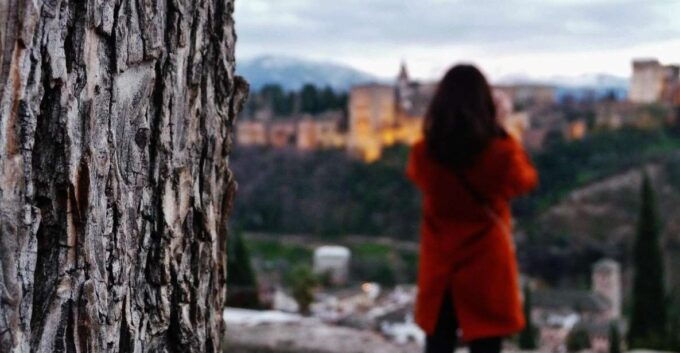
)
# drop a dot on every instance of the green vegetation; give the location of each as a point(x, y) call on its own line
point(561, 254)
point(383, 264)
point(370, 262)
point(578, 340)
point(309, 100)
point(328, 194)
point(674, 324)
point(277, 251)
point(408, 269)
point(325, 193)
point(371, 250)
point(648, 323)
point(372, 270)
point(527, 338)
point(241, 279)
point(303, 282)
point(564, 167)
point(614, 339)
point(672, 167)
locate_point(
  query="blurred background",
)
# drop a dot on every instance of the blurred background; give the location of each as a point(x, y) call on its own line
point(324, 242)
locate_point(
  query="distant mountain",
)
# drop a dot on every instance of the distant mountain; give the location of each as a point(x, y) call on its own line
point(591, 80)
point(579, 87)
point(293, 73)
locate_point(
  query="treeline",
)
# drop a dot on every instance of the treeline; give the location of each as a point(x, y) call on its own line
point(324, 193)
point(327, 193)
point(330, 195)
point(308, 100)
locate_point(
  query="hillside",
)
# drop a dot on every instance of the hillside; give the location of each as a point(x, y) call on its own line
point(584, 209)
point(599, 220)
point(325, 193)
point(328, 194)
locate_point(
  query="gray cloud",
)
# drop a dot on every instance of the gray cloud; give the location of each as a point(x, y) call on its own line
point(326, 26)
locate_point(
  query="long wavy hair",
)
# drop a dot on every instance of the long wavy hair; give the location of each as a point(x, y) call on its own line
point(461, 119)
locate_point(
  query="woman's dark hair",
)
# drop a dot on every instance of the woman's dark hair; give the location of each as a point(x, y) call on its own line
point(461, 120)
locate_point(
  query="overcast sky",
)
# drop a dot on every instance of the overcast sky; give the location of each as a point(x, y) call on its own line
point(534, 38)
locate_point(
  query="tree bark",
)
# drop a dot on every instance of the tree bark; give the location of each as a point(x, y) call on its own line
point(115, 122)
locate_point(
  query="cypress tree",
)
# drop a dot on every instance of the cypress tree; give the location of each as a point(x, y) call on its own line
point(614, 339)
point(242, 290)
point(674, 324)
point(309, 96)
point(648, 321)
point(527, 338)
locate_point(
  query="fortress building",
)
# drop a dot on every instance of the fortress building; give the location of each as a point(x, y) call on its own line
point(251, 133)
point(305, 132)
point(372, 119)
point(382, 115)
point(523, 95)
point(653, 82)
point(378, 116)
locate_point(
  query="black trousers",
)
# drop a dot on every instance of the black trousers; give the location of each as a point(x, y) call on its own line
point(445, 336)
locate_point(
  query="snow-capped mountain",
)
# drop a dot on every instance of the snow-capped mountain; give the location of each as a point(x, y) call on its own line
point(591, 86)
point(592, 81)
point(293, 73)
point(579, 87)
point(585, 80)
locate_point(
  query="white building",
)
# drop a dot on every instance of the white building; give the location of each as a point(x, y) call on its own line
point(333, 261)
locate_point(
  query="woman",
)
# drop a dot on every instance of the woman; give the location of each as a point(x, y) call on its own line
point(468, 168)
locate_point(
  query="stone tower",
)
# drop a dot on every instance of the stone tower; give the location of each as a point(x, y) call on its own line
point(404, 90)
point(372, 116)
point(647, 82)
point(607, 283)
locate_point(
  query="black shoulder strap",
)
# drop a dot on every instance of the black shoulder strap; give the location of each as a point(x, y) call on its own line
point(478, 196)
point(485, 203)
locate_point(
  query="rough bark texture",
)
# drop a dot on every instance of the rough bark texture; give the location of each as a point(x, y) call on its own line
point(115, 118)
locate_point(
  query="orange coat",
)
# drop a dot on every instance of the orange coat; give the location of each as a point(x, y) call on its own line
point(462, 248)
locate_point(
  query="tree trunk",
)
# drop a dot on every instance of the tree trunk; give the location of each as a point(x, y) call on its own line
point(115, 121)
